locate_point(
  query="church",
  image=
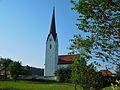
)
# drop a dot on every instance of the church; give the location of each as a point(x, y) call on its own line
point(53, 61)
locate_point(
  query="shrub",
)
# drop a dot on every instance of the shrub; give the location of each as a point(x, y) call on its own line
point(64, 74)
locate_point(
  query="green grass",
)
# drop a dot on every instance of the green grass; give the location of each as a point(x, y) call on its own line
point(29, 85)
point(110, 88)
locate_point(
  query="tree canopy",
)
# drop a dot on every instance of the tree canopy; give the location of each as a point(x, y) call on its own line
point(102, 19)
point(4, 64)
point(15, 69)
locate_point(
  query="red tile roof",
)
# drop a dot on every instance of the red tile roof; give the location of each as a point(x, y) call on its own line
point(66, 59)
point(105, 72)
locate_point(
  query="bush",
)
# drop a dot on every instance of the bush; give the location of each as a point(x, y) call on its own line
point(64, 74)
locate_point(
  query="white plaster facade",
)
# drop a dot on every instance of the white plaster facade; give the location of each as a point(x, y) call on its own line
point(62, 65)
point(51, 58)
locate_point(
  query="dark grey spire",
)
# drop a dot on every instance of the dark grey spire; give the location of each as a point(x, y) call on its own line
point(53, 27)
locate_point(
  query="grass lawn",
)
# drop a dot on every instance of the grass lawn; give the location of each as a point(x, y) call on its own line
point(29, 85)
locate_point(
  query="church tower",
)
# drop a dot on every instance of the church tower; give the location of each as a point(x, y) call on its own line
point(51, 57)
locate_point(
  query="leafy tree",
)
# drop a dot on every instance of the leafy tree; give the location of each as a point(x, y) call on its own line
point(15, 69)
point(76, 74)
point(102, 19)
point(4, 63)
point(118, 70)
point(26, 70)
point(84, 74)
point(64, 74)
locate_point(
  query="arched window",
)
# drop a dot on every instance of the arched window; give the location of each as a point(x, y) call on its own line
point(50, 46)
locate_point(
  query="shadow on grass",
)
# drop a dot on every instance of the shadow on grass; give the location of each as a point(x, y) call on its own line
point(34, 81)
point(41, 81)
point(9, 89)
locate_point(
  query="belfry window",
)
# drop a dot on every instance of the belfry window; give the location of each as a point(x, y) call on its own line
point(50, 46)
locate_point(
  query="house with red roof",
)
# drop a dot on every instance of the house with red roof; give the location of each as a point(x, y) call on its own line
point(105, 72)
point(66, 60)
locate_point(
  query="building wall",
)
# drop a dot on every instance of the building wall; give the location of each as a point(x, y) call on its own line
point(51, 58)
point(62, 65)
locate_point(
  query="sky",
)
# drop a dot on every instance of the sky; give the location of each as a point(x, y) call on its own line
point(25, 24)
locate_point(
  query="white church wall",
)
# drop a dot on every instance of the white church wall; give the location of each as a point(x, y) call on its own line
point(62, 65)
point(51, 56)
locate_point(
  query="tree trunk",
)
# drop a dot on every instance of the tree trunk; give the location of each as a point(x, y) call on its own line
point(5, 74)
point(75, 86)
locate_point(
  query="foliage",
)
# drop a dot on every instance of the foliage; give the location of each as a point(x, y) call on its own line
point(86, 76)
point(4, 62)
point(26, 70)
point(118, 70)
point(11, 67)
point(117, 86)
point(114, 87)
point(77, 72)
point(15, 69)
point(82, 46)
point(102, 19)
point(64, 74)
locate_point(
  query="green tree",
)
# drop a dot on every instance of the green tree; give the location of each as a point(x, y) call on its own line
point(64, 74)
point(102, 19)
point(26, 70)
point(82, 48)
point(118, 70)
point(76, 72)
point(15, 69)
point(84, 74)
point(5, 63)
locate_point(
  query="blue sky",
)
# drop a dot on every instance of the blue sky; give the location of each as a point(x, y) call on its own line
point(25, 24)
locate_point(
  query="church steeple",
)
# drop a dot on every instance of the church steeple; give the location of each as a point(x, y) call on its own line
point(51, 56)
point(53, 27)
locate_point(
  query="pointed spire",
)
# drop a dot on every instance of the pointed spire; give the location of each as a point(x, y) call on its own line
point(53, 27)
